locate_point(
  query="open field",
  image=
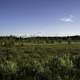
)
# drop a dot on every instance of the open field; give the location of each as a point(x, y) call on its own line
point(21, 60)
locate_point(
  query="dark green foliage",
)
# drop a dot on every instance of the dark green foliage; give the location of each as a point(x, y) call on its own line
point(39, 58)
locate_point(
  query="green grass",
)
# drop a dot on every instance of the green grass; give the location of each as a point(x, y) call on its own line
point(28, 61)
point(42, 51)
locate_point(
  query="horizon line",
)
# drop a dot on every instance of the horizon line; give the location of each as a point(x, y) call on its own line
point(39, 34)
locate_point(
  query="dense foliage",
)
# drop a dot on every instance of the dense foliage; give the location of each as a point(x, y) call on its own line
point(22, 59)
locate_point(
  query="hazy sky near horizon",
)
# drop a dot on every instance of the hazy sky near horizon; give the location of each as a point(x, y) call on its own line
point(40, 16)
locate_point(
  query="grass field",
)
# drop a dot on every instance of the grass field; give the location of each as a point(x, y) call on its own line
point(40, 61)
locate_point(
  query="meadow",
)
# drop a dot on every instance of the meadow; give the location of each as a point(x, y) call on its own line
point(39, 58)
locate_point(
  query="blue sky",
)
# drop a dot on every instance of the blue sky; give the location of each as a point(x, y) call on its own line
point(44, 17)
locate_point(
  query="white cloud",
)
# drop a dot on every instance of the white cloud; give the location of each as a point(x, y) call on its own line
point(67, 19)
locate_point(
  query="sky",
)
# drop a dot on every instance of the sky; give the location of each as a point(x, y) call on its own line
point(41, 17)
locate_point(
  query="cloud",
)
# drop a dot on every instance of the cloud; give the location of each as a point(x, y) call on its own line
point(67, 19)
